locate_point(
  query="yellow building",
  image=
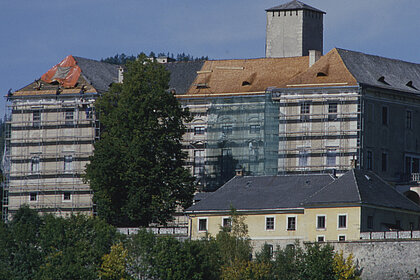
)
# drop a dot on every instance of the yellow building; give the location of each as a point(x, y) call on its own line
point(282, 209)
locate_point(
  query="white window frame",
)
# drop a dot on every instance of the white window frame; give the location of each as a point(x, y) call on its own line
point(36, 118)
point(199, 130)
point(36, 196)
point(226, 218)
point(338, 221)
point(325, 222)
point(69, 116)
point(68, 165)
point(274, 223)
point(342, 235)
point(35, 165)
point(198, 224)
point(287, 222)
point(67, 200)
point(331, 155)
point(318, 236)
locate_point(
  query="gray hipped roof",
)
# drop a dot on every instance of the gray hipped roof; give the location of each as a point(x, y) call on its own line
point(100, 74)
point(263, 192)
point(294, 5)
point(361, 187)
point(382, 72)
point(183, 74)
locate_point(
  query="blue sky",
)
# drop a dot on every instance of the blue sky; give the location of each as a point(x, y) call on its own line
point(35, 35)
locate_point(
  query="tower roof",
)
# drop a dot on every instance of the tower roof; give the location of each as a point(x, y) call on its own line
point(294, 5)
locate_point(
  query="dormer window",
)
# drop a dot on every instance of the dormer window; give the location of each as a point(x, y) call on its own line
point(410, 84)
point(382, 80)
point(321, 74)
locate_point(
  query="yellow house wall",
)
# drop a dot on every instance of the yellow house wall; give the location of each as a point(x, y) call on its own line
point(306, 223)
point(331, 231)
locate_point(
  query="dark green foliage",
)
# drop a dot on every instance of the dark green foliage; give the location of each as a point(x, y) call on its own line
point(167, 258)
point(137, 170)
point(313, 262)
point(119, 59)
point(34, 247)
point(122, 59)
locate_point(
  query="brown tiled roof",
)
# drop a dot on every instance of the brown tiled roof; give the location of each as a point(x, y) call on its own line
point(245, 75)
point(329, 70)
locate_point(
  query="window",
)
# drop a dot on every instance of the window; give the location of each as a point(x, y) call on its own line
point(291, 223)
point(408, 119)
point(270, 249)
point(370, 222)
point(341, 238)
point(304, 111)
point(199, 130)
point(227, 222)
point(199, 162)
point(36, 118)
point(385, 115)
point(398, 224)
point(342, 221)
point(331, 157)
point(369, 161)
point(269, 223)
point(35, 164)
point(320, 238)
point(384, 162)
point(254, 129)
point(202, 224)
point(66, 196)
point(69, 117)
point(227, 129)
point(320, 222)
point(332, 111)
point(303, 158)
point(226, 152)
point(89, 113)
point(33, 197)
point(68, 160)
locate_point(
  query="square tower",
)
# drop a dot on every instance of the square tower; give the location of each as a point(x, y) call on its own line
point(293, 29)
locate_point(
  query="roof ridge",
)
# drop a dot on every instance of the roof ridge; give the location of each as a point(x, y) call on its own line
point(374, 55)
point(318, 191)
point(357, 186)
point(394, 190)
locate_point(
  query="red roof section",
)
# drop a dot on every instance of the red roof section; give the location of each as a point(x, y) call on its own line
point(66, 73)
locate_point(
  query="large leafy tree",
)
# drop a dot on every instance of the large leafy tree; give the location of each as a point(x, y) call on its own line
point(137, 172)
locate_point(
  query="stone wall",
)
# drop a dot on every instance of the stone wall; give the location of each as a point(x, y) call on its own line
point(384, 259)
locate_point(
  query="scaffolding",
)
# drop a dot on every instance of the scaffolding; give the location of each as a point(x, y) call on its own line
point(321, 129)
point(48, 141)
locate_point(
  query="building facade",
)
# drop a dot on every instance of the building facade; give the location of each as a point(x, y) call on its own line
point(51, 127)
point(317, 208)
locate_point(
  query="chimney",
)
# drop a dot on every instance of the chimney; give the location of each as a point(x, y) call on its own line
point(314, 56)
point(120, 74)
point(239, 171)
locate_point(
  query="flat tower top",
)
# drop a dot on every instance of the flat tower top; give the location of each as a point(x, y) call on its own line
point(294, 5)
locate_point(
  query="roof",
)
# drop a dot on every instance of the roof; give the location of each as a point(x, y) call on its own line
point(252, 193)
point(245, 75)
point(262, 192)
point(368, 69)
point(361, 187)
point(183, 74)
point(348, 68)
point(328, 70)
point(294, 5)
point(72, 75)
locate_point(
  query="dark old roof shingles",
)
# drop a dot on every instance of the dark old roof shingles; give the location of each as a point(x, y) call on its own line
point(294, 5)
point(263, 192)
point(368, 69)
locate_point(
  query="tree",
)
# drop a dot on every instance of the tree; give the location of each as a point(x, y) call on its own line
point(114, 265)
point(137, 171)
point(345, 268)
